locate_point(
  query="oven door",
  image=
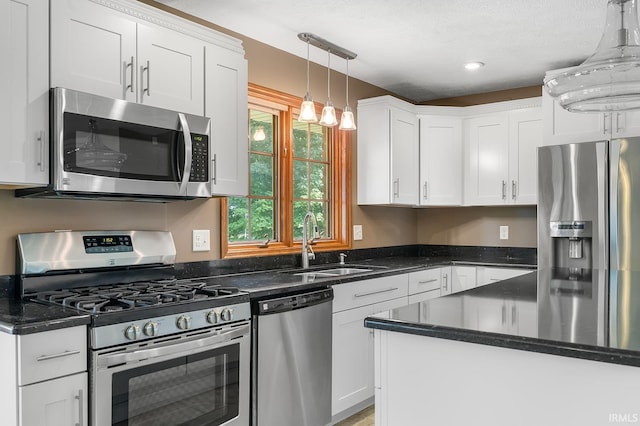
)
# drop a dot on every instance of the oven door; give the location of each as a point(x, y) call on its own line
point(195, 379)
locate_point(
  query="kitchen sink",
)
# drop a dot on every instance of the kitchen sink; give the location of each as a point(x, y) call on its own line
point(336, 271)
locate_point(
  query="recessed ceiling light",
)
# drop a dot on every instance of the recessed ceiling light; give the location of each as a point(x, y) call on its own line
point(473, 65)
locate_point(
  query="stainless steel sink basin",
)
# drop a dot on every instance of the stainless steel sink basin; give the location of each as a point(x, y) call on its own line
point(334, 272)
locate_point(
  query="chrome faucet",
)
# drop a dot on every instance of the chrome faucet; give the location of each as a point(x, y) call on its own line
point(307, 251)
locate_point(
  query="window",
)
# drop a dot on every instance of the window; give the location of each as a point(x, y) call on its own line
point(293, 168)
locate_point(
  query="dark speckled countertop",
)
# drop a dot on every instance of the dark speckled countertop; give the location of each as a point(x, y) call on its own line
point(269, 276)
point(588, 314)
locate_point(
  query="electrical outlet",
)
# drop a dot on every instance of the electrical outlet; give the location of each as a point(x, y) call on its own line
point(201, 240)
point(504, 232)
point(357, 232)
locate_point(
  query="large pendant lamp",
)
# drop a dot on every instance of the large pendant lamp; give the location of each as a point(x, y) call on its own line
point(328, 117)
point(609, 80)
point(347, 121)
point(307, 109)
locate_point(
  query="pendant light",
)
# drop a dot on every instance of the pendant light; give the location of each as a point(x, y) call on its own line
point(307, 109)
point(259, 134)
point(346, 120)
point(609, 80)
point(328, 117)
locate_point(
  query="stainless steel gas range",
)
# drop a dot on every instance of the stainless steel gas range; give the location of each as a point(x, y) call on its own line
point(162, 351)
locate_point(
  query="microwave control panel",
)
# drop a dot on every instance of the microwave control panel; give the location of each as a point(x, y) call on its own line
point(199, 159)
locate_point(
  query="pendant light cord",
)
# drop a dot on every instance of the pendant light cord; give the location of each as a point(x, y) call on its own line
point(307, 66)
point(329, 74)
point(347, 82)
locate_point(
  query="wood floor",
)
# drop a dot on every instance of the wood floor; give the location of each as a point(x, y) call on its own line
point(365, 417)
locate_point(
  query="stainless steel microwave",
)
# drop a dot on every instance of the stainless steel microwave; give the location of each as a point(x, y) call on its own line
point(110, 148)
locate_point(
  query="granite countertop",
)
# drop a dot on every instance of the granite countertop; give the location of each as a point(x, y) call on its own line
point(588, 314)
point(23, 317)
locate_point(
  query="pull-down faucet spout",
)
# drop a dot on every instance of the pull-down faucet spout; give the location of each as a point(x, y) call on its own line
point(307, 251)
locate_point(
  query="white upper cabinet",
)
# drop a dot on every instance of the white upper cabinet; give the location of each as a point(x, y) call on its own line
point(226, 104)
point(24, 92)
point(387, 152)
point(440, 160)
point(501, 155)
point(100, 50)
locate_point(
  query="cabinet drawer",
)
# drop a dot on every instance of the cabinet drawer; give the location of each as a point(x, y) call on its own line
point(50, 354)
point(426, 280)
point(367, 292)
point(426, 295)
point(488, 275)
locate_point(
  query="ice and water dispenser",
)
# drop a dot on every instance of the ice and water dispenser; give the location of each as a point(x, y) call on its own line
point(571, 244)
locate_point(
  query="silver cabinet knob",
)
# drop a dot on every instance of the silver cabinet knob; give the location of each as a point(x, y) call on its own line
point(132, 332)
point(212, 317)
point(226, 314)
point(150, 329)
point(183, 322)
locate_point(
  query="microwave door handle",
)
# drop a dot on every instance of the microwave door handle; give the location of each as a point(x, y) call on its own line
point(188, 153)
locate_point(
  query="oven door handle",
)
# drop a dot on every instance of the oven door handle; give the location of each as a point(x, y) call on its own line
point(173, 348)
point(188, 153)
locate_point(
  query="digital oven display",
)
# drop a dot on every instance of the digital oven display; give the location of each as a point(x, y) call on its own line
point(107, 244)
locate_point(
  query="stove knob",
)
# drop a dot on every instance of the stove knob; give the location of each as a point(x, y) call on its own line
point(150, 329)
point(183, 322)
point(226, 314)
point(132, 332)
point(212, 317)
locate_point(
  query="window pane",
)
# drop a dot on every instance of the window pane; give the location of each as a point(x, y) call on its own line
point(261, 175)
point(300, 142)
point(300, 208)
point(262, 219)
point(261, 127)
point(318, 181)
point(321, 210)
point(238, 219)
point(300, 179)
point(318, 142)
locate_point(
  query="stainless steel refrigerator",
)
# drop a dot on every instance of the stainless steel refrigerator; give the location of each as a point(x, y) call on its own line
point(589, 205)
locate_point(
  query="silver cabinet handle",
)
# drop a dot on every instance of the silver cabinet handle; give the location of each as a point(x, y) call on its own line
point(445, 277)
point(604, 124)
point(513, 315)
point(375, 292)
point(131, 75)
point(188, 153)
point(147, 90)
point(513, 189)
point(424, 190)
point(428, 281)
point(43, 154)
point(504, 314)
point(215, 169)
point(80, 399)
point(396, 188)
point(58, 355)
point(504, 190)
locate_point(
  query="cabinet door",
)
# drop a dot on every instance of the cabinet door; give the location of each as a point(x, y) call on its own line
point(93, 49)
point(404, 157)
point(625, 124)
point(562, 126)
point(463, 278)
point(170, 69)
point(352, 371)
point(488, 143)
point(58, 402)
point(525, 136)
point(440, 161)
point(24, 92)
point(226, 105)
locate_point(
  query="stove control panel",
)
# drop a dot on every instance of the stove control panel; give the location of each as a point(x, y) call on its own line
point(115, 334)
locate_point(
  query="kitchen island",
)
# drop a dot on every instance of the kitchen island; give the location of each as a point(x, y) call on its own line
point(553, 347)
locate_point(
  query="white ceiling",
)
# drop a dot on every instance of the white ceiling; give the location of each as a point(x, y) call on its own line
point(417, 48)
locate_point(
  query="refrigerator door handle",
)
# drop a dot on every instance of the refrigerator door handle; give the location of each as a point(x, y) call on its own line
point(614, 176)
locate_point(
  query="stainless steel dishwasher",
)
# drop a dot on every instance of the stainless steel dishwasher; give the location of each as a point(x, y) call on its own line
point(291, 363)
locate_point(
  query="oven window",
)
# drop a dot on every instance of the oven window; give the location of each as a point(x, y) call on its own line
point(103, 147)
point(199, 389)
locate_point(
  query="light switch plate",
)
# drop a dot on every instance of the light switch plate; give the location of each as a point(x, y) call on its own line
point(357, 232)
point(201, 241)
point(504, 232)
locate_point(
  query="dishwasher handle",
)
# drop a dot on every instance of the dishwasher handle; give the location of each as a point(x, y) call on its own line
point(293, 302)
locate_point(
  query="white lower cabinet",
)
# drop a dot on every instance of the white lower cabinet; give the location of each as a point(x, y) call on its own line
point(57, 402)
point(487, 275)
point(352, 377)
point(462, 278)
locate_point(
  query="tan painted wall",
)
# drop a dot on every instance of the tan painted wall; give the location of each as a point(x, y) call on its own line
point(382, 226)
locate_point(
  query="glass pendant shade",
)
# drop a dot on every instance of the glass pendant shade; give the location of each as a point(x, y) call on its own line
point(259, 134)
point(609, 80)
point(308, 111)
point(328, 117)
point(347, 121)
